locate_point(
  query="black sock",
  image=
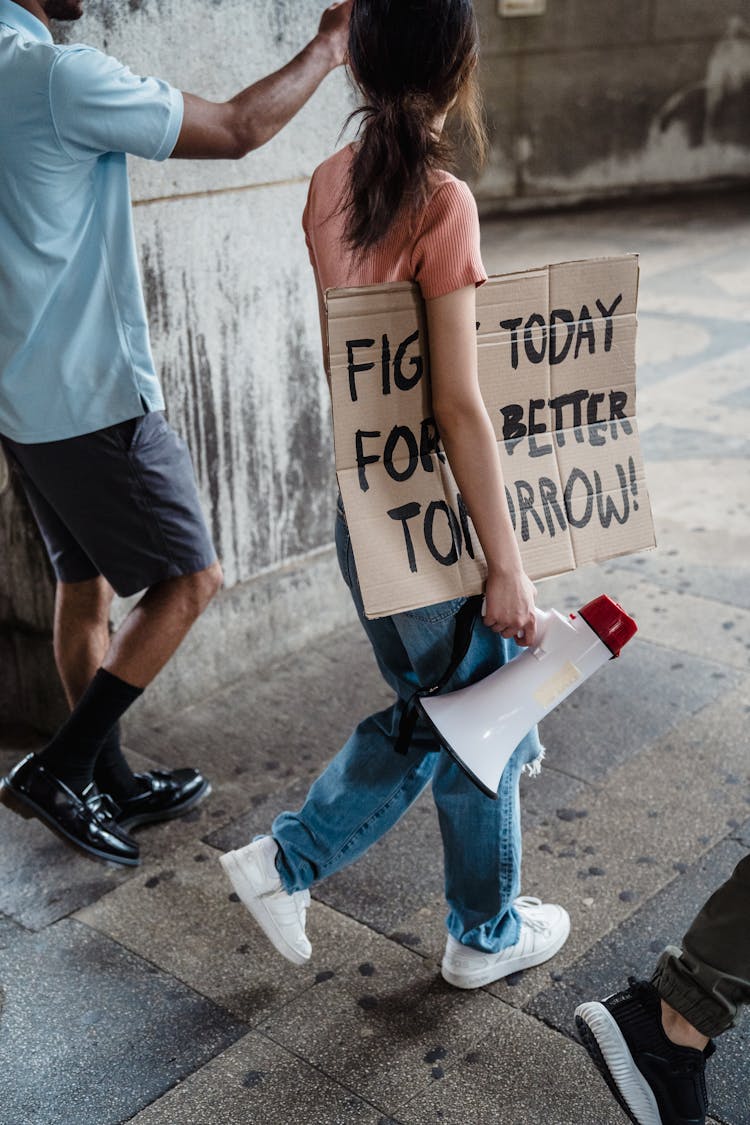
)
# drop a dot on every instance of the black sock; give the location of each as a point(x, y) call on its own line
point(112, 773)
point(73, 751)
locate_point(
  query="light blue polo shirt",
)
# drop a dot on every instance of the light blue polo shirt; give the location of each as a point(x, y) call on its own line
point(74, 349)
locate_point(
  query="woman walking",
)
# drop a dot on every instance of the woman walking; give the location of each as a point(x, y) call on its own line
point(385, 209)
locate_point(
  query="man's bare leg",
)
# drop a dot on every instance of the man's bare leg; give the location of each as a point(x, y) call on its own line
point(154, 629)
point(677, 1028)
point(81, 633)
point(151, 633)
point(121, 668)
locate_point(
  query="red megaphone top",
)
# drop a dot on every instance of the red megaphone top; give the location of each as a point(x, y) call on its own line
point(610, 622)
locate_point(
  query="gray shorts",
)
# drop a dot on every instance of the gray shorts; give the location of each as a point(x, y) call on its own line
point(120, 502)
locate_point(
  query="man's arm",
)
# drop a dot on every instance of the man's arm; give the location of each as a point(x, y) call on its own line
point(229, 130)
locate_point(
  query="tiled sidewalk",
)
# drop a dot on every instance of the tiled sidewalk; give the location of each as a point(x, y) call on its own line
point(149, 996)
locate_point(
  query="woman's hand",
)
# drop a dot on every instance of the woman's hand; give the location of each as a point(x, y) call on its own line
point(509, 606)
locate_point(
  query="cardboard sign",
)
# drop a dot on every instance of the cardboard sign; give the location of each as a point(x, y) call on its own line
point(556, 350)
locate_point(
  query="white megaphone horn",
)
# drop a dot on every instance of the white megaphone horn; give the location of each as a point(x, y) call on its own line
point(481, 725)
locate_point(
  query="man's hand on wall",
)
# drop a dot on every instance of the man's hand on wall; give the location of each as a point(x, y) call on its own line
point(334, 26)
point(229, 130)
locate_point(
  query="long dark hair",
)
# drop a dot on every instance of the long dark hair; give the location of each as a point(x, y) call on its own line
point(412, 60)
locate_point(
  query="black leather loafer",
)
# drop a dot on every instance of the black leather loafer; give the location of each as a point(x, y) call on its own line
point(88, 822)
point(166, 794)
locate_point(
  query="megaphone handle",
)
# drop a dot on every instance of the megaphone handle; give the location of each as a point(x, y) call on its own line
point(542, 620)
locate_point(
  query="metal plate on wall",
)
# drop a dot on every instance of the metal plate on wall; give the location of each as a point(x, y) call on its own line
point(521, 7)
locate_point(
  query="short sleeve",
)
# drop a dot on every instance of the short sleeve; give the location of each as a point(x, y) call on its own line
point(306, 218)
point(100, 106)
point(446, 254)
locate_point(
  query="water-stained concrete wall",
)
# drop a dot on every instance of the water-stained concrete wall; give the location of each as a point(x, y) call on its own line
point(235, 335)
point(592, 98)
point(608, 97)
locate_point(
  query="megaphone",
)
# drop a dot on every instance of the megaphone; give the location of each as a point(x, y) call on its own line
point(481, 725)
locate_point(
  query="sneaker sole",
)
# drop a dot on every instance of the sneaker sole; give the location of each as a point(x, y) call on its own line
point(171, 814)
point(253, 902)
point(506, 968)
point(23, 806)
point(605, 1043)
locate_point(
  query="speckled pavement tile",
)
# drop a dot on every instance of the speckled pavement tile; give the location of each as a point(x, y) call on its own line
point(642, 804)
point(256, 1082)
point(91, 1033)
point(693, 625)
point(41, 877)
point(630, 703)
point(264, 733)
point(600, 851)
point(384, 1025)
point(633, 948)
point(689, 562)
point(186, 919)
point(398, 873)
point(522, 1073)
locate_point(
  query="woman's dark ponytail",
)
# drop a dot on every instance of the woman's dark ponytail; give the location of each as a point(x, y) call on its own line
point(412, 60)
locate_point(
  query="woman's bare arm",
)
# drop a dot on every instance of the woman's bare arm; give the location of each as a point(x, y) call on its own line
point(470, 445)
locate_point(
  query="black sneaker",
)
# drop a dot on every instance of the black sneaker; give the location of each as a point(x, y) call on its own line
point(655, 1081)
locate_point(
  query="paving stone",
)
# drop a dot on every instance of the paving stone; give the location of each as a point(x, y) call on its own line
point(186, 919)
point(263, 734)
point(693, 626)
point(384, 1025)
point(675, 443)
point(226, 800)
point(523, 1072)
point(10, 931)
point(726, 585)
point(616, 828)
point(92, 1034)
point(708, 500)
point(399, 874)
point(633, 948)
point(658, 813)
point(631, 702)
point(256, 1081)
point(257, 817)
point(677, 565)
point(41, 877)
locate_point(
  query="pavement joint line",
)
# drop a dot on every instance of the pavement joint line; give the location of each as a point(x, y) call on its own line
point(595, 786)
point(230, 189)
point(320, 640)
point(154, 964)
point(469, 1046)
point(328, 1077)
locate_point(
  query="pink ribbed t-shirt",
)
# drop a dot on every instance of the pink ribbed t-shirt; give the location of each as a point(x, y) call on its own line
point(440, 251)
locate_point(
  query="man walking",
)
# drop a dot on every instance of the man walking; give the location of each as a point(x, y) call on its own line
point(651, 1041)
point(81, 411)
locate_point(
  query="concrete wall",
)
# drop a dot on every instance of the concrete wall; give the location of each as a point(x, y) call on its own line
point(613, 97)
point(590, 99)
point(236, 341)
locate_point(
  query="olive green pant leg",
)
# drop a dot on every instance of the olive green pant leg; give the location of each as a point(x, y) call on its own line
point(708, 980)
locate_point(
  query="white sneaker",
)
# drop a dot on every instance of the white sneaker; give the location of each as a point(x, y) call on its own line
point(544, 931)
point(252, 872)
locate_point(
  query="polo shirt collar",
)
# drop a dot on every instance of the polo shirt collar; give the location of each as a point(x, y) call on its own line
point(22, 20)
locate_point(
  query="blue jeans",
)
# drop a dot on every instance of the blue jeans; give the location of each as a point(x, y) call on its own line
point(367, 787)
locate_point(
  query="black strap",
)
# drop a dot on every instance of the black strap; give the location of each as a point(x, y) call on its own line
point(465, 620)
